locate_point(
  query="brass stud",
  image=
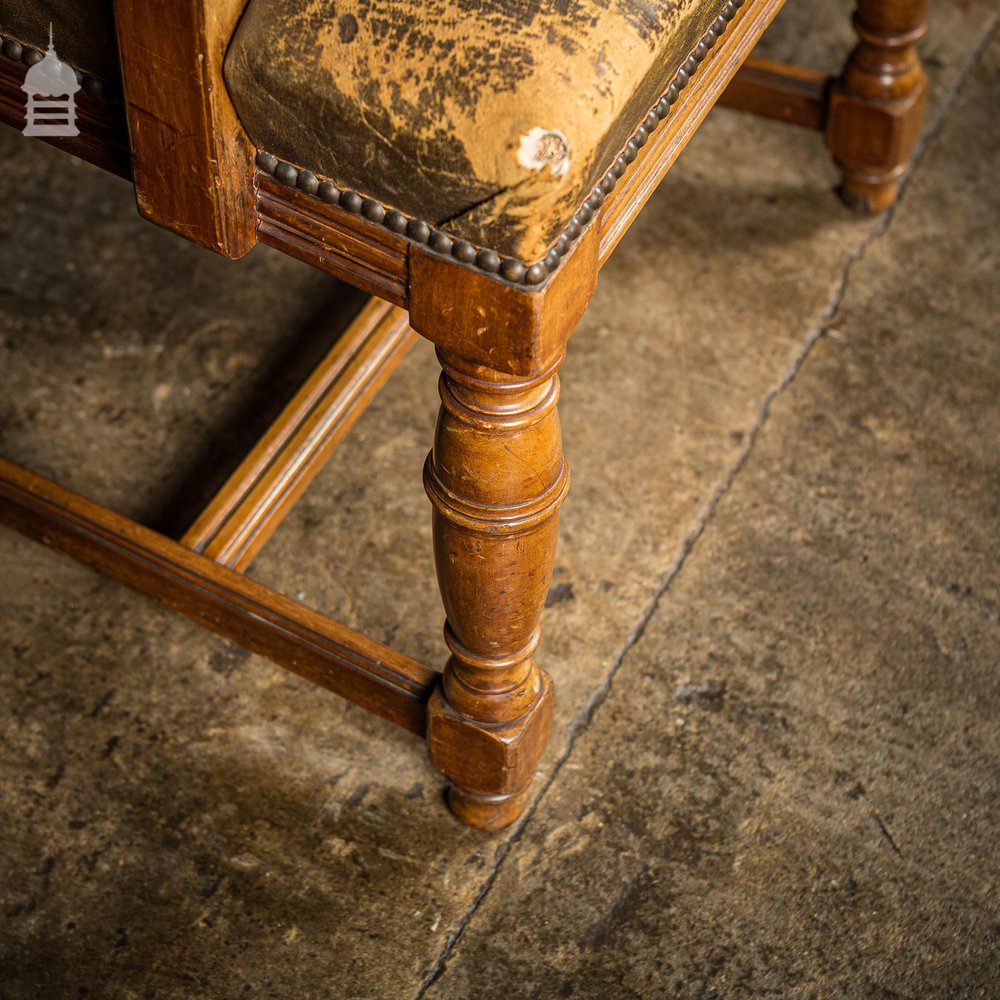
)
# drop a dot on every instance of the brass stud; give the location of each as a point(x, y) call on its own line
point(287, 174)
point(513, 270)
point(418, 230)
point(488, 261)
point(536, 274)
point(351, 200)
point(267, 162)
point(441, 242)
point(372, 210)
point(464, 251)
point(307, 182)
point(395, 221)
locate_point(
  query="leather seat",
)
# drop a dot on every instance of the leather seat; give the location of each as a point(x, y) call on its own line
point(490, 119)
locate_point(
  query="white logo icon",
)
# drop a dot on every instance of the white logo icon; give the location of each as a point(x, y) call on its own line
point(51, 87)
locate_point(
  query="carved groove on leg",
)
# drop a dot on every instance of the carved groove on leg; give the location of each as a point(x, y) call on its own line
point(877, 105)
point(496, 478)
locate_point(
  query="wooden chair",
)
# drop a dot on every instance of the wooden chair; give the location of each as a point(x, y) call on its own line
point(390, 146)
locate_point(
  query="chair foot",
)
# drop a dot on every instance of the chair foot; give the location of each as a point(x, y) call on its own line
point(486, 812)
point(877, 105)
point(490, 766)
point(868, 196)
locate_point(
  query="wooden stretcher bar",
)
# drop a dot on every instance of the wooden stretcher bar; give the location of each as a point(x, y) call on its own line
point(262, 491)
point(298, 638)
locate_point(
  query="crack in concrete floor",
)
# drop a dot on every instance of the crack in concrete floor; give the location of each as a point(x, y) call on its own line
point(827, 321)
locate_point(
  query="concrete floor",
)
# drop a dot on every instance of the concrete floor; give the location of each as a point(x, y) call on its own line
point(774, 769)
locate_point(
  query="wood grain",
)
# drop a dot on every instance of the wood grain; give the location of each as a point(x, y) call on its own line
point(496, 478)
point(262, 491)
point(192, 161)
point(325, 652)
point(505, 327)
point(345, 245)
point(877, 105)
point(776, 90)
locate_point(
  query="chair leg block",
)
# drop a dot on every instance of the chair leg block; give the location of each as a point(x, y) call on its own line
point(872, 142)
point(877, 105)
point(489, 767)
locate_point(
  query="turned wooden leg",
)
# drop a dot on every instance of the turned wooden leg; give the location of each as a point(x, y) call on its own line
point(496, 477)
point(877, 105)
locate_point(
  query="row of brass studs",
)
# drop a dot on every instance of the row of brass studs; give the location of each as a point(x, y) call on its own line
point(490, 261)
point(12, 49)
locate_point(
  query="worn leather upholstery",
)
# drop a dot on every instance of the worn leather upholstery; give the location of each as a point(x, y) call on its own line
point(492, 119)
point(83, 31)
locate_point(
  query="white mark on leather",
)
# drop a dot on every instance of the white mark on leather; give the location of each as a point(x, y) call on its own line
point(542, 148)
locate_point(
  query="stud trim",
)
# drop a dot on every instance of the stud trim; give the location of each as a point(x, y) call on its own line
point(15, 51)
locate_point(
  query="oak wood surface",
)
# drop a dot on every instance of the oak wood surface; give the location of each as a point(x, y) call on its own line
point(304, 641)
point(192, 161)
point(877, 105)
point(786, 93)
point(345, 245)
point(496, 478)
point(495, 324)
point(245, 512)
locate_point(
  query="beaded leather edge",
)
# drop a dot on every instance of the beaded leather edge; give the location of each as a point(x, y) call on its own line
point(481, 258)
point(16, 51)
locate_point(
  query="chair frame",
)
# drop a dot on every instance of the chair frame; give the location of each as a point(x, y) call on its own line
point(496, 474)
